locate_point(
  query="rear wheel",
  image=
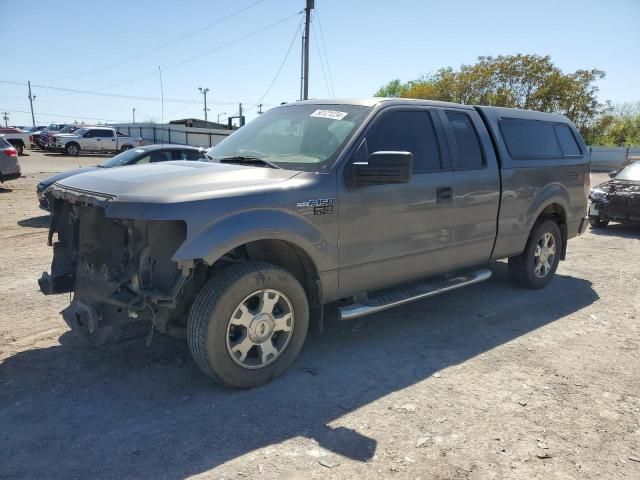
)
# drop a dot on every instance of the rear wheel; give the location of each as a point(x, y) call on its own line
point(72, 149)
point(248, 324)
point(125, 148)
point(598, 222)
point(535, 267)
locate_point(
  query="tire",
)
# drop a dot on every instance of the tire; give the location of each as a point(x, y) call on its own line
point(72, 149)
point(224, 339)
point(598, 222)
point(125, 148)
point(20, 149)
point(526, 269)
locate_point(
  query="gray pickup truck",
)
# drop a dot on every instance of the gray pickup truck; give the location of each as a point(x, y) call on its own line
point(362, 204)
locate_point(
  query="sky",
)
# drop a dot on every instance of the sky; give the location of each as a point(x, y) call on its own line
point(249, 50)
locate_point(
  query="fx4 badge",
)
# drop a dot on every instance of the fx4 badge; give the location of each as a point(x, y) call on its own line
point(321, 206)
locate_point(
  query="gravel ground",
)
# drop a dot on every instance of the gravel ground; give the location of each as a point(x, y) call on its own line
point(506, 383)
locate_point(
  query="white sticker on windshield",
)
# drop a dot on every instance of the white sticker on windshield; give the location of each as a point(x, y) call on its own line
point(332, 114)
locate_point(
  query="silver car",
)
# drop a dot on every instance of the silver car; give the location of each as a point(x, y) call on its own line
point(9, 166)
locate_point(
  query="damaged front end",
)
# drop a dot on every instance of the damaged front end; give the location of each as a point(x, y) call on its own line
point(623, 202)
point(119, 270)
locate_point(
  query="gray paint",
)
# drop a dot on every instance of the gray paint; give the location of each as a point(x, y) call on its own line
point(377, 235)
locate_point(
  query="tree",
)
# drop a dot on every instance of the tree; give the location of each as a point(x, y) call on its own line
point(619, 126)
point(518, 81)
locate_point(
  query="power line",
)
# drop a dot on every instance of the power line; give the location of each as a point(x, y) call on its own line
point(324, 47)
point(203, 54)
point(324, 75)
point(68, 116)
point(293, 40)
point(111, 95)
point(164, 45)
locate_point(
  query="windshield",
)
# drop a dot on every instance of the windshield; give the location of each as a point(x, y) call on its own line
point(296, 137)
point(122, 158)
point(632, 172)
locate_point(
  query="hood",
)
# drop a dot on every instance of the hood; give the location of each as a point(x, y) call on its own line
point(169, 182)
point(62, 175)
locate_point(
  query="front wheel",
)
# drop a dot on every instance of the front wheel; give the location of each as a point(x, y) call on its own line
point(72, 149)
point(598, 222)
point(248, 324)
point(20, 149)
point(535, 267)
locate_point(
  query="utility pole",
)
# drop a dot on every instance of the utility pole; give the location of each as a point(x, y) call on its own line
point(204, 92)
point(259, 109)
point(133, 111)
point(307, 32)
point(220, 114)
point(31, 99)
point(5, 116)
point(241, 119)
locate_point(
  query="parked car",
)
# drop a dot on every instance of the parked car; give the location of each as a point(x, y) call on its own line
point(42, 139)
point(134, 156)
point(618, 199)
point(9, 165)
point(374, 202)
point(52, 135)
point(95, 139)
point(34, 135)
point(16, 137)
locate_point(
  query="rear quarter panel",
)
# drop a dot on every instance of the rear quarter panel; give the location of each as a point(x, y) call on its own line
point(529, 185)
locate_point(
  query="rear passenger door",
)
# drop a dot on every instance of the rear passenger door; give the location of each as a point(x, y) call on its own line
point(397, 232)
point(106, 140)
point(476, 187)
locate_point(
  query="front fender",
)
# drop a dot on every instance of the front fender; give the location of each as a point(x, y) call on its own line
point(222, 236)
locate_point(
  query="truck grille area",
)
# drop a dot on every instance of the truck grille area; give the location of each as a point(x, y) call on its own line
point(118, 269)
point(624, 202)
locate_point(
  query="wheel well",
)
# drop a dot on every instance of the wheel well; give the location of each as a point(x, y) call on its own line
point(16, 141)
point(558, 214)
point(285, 255)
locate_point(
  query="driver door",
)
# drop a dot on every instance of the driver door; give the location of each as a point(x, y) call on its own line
point(89, 140)
point(398, 232)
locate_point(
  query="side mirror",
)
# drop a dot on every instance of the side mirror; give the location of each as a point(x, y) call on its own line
point(613, 174)
point(382, 168)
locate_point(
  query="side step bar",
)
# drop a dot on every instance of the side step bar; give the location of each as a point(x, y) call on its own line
point(390, 298)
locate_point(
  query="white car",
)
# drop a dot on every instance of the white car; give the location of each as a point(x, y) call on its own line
point(16, 137)
point(94, 139)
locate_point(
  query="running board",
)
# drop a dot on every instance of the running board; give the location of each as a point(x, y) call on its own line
point(390, 298)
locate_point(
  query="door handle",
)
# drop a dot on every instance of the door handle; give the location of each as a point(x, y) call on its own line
point(444, 194)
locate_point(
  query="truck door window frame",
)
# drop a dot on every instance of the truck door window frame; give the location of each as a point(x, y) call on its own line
point(443, 147)
point(453, 144)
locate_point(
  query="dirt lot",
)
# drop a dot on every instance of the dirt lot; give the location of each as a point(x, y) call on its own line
point(492, 382)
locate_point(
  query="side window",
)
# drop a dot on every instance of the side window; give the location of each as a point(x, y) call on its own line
point(89, 134)
point(469, 153)
point(410, 131)
point(568, 142)
point(104, 133)
point(120, 134)
point(160, 156)
point(530, 138)
point(192, 155)
point(142, 160)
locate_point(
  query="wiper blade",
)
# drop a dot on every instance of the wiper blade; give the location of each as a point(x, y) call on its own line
point(249, 160)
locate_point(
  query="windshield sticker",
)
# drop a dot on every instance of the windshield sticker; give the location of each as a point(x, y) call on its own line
point(331, 114)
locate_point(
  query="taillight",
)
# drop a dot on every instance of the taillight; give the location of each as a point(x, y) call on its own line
point(11, 152)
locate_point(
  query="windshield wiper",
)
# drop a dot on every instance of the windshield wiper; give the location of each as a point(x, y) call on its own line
point(249, 160)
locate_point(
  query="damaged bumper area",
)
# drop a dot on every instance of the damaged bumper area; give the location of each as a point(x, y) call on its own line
point(623, 204)
point(119, 270)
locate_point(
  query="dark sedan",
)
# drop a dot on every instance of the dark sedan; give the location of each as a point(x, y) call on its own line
point(618, 199)
point(134, 156)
